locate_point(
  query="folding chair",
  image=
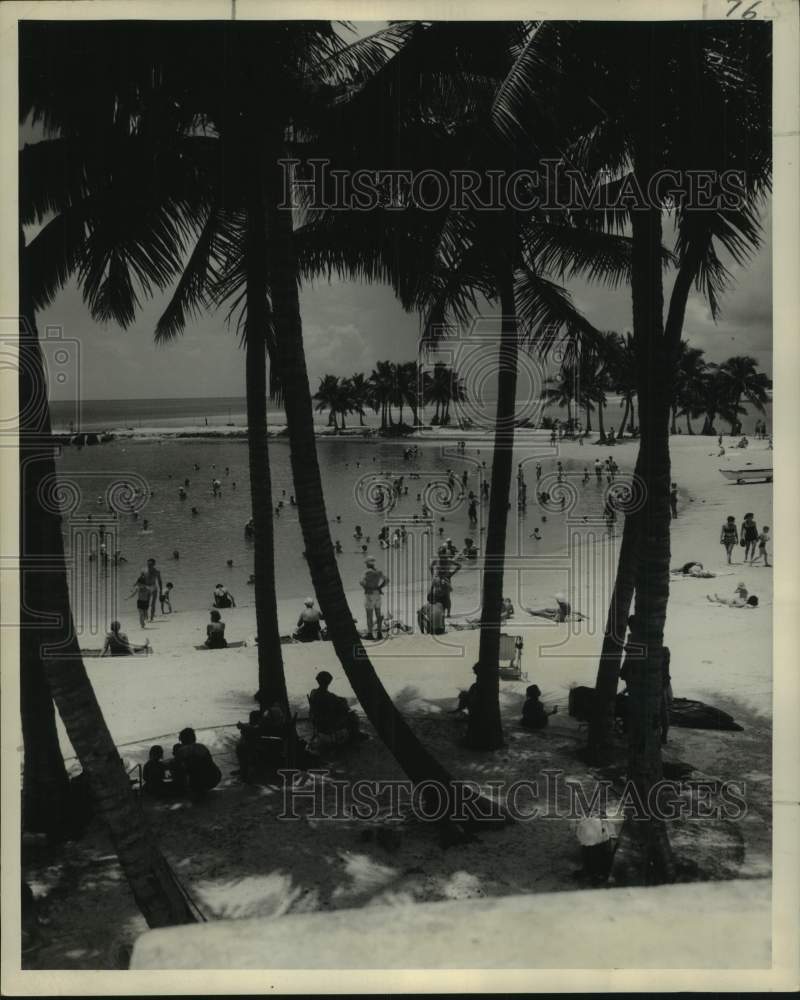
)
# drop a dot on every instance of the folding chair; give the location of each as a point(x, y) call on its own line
point(510, 658)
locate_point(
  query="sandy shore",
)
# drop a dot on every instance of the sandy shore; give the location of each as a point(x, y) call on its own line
point(238, 856)
point(180, 685)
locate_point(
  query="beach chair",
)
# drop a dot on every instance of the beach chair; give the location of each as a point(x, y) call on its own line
point(510, 658)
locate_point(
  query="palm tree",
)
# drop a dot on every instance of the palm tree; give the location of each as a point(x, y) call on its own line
point(692, 370)
point(438, 385)
point(327, 398)
point(444, 263)
point(307, 56)
point(343, 400)
point(382, 385)
point(360, 394)
point(741, 379)
point(622, 373)
point(689, 95)
point(562, 389)
point(49, 635)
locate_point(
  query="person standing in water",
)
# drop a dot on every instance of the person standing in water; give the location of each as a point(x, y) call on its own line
point(154, 579)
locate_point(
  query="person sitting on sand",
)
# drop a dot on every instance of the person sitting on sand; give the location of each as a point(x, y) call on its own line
point(308, 628)
point(534, 715)
point(469, 551)
point(468, 699)
point(729, 536)
point(695, 569)
point(117, 643)
point(193, 761)
point(215, 632)
point(155, 780)
point(430, 619)
point(222, 598)
point(330, 712)
point(256, 739)
point(560, 613)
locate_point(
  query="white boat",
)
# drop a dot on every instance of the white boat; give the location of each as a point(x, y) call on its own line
point(747, 475)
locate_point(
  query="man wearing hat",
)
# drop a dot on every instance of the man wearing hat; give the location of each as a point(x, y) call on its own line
point(372, 582)
point(308, 624)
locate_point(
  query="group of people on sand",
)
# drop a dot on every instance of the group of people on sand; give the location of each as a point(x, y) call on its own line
point(190, 771)
point(753, 541)
point(534, 714)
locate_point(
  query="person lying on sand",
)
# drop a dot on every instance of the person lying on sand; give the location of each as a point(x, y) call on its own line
point(735, 602)
point(117, 643)
point(693, 569)
point(506, 612)
point(560, 613)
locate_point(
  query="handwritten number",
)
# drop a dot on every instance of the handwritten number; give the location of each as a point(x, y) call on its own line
point(748, 14)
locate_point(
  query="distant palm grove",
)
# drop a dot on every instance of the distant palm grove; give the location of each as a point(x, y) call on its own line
point(702, 389)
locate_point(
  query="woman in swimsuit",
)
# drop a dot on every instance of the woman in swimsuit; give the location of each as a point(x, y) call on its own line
point(749, 536)
point(729, 536)
point(215, 632)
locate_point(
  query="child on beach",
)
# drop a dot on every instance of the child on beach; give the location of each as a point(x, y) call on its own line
point(763, 539)
point(729, 536)
point(166, 602)
point(143, 591)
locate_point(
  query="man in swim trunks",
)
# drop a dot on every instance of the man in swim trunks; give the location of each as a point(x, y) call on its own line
point(154, 579)
point(372, 582)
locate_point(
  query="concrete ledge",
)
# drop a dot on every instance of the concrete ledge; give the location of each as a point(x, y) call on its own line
point(717, 925)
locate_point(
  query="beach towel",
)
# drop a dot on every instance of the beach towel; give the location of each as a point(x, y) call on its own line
point(231, 645)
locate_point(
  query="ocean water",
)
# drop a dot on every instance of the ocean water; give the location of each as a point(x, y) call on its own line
point(217, 412)
point(91, 478)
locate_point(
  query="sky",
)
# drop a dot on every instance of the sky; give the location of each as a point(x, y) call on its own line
point(349, 326)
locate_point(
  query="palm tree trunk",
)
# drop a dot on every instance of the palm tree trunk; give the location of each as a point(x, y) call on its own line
point(149, 877)
point(588, 418)
point(485, 730)
point(271, 678)
point(600, 424)
point(674, 427)
point(655, 364)
point(412, 757)
point(633, 415)
point(625, 415)
point(601, 725)
point(689, 425)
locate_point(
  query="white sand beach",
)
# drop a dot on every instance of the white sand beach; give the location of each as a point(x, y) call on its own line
point(148, 699)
